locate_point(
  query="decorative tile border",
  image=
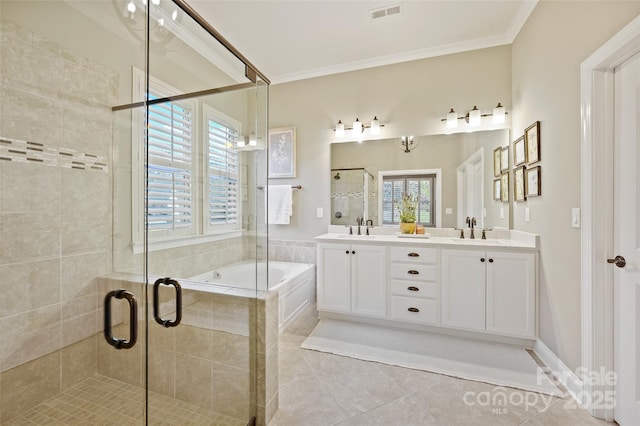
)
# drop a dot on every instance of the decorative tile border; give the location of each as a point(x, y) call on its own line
point(34, 152)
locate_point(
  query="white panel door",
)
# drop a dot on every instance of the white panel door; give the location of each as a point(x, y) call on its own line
point(334, 277)
point(463, 289)
point(369, 280)
point(511, 294)
point(627, 242)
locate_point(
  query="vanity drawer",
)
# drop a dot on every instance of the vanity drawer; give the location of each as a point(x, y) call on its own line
point(414, 289)
point(414, 254)
point(414, 272)
point(414, 310)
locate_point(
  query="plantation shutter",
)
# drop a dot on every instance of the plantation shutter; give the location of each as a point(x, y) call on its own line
point(421, 186)
point(223, 173)
point(170, 166)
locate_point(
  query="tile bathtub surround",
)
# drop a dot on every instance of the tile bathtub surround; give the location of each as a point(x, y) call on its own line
point(292, 251)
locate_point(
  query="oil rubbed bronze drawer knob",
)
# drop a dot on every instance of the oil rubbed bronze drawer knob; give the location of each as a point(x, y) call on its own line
point(412, 272)
point(413, 288)
point(413, 255)
point(413, 310)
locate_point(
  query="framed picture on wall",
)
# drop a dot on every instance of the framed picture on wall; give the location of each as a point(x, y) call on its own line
point(519, 152)
point(497, 194)
point(533, 182)
point(532, 139)
point(504, 159)
point(497, 156)
point(282, 152)
point(518, 184)
point(504, 187)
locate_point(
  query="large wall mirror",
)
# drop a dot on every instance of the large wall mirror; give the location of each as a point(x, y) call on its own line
point(454, 175)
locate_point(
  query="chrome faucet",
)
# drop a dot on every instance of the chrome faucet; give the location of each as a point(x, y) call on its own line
point(471, 222)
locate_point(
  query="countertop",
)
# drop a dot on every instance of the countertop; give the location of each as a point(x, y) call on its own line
point(442, 241)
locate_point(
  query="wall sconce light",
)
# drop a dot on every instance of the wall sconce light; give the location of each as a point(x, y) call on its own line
point(358, 128)
point(407, 143)
point(474, 117)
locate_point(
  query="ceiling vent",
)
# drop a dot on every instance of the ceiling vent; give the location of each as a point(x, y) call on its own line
point(385, 11)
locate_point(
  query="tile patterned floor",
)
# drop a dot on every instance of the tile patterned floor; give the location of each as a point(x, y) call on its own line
point(101, 400)
point(325, 390)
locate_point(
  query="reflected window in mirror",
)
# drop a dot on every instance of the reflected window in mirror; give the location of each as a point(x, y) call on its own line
point(421, 186)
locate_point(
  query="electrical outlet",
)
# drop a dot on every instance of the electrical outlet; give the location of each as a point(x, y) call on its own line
point(319, 212)
point(527, 214)
point(575, 217)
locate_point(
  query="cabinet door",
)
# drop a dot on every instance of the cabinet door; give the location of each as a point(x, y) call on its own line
point(369, 280)
point(463, 289)
point(334, 280)
point(511, 293)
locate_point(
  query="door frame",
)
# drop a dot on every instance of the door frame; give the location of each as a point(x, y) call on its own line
point(597, 126)
point(461, 173)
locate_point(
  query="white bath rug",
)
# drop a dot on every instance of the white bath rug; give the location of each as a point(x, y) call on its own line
point(499, 364)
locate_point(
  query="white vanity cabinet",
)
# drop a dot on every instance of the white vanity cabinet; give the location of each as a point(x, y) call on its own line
point(492, 291)
point(414, 284)
point(352, 278)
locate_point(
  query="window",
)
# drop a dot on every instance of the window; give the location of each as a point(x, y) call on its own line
point(171, 167)
point(422, 186)
point(193, 171)
point(223, 206)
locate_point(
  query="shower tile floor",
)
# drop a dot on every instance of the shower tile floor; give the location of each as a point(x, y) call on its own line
point(100, 400)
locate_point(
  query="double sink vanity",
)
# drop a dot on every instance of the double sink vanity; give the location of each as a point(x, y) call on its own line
point(483, 288)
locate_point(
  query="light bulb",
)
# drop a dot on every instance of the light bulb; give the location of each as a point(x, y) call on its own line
point(253, 141)
point(340, 129)
point(155, 2)
point(174, 14)
point(498, 114)
point(452, 119)
point(474, 117)
point(357, 127)
point(161, 22)
point(131, 7)
point(375, 126)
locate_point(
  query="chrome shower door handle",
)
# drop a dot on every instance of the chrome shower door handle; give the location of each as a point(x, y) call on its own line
point(133, 319)
point(156, 302)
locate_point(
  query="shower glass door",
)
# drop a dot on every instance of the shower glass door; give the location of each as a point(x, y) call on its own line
point(115, 176)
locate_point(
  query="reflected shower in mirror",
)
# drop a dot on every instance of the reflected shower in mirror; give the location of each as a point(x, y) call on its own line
point(461, 165)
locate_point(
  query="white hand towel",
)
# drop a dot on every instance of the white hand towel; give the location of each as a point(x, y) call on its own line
point(280, 205)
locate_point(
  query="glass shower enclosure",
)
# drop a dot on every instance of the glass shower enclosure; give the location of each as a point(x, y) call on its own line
point(132, 146)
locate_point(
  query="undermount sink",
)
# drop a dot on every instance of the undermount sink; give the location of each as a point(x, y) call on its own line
point(356, 237)
point(478, 241)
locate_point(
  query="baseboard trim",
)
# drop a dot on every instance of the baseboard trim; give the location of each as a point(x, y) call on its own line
point(560, 371)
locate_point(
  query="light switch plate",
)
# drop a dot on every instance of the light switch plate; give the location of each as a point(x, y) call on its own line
point(575, 217)
point(527, 214)
point(448, 210)
point(319, 212)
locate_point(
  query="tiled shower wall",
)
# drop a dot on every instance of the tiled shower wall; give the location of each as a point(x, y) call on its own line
point(55, 214)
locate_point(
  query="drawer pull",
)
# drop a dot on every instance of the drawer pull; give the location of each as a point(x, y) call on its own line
point(413, 288)
point(413, 255)
point(413, 310)
point(413, 272)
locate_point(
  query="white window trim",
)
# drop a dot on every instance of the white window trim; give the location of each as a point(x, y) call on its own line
point(198, 235)
point(210, 112)
point(438, 172)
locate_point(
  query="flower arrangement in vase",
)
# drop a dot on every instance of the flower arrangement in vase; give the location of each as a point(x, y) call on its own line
point(407, 207)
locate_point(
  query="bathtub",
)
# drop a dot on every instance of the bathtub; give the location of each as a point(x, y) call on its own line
point(294, 282)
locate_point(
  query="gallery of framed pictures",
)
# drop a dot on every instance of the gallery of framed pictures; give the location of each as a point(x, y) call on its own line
point(527, 171)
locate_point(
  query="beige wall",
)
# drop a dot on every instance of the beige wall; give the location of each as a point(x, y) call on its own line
point(546, 87)
point(408, 98)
